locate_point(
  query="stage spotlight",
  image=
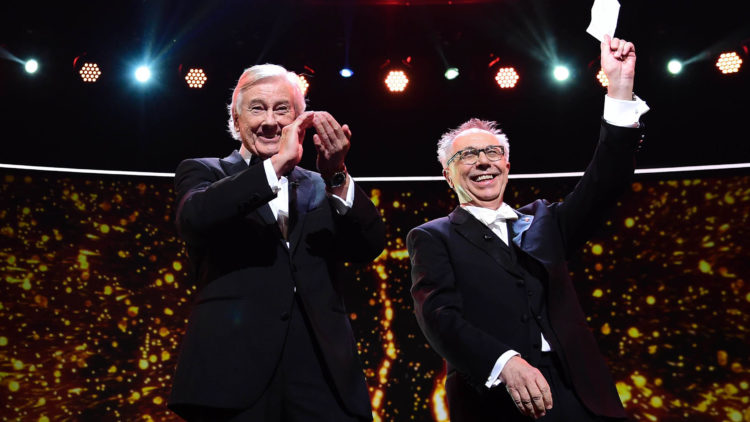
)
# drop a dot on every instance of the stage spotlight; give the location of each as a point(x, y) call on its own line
point(396, 81)
point(195, 78)
point(142, 74)
point(729, 62)
point(561, 73)
point(451, 73)
point(303, 84)
point(602, 78)
point(346, 72)
point(90, 72)
point(674, 66)
point(506, 77)
point(31, 66)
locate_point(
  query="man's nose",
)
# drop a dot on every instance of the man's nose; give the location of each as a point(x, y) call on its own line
point(482, 158)
point(270, 118)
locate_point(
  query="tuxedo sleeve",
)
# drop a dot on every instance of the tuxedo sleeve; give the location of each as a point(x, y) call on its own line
point(208, 199)
point(607, 176)
point(360, 232)
point(439, 308)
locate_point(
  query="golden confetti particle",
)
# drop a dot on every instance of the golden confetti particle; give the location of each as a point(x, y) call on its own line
point(633, 332)
point(143, 364)
point(177, 265)
point(606, 329)
point(597, 293)
point(3, 341)
point(650, 300)
point(629, 222)
point(704, 266)
point(722, 357)
point(13, 386)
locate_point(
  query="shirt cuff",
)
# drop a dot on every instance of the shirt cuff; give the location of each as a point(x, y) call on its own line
point(624, 113)
point(343, 206)
point(273, 180)
point(495, 377)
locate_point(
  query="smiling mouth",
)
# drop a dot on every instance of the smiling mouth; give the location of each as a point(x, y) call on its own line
point(483, 177)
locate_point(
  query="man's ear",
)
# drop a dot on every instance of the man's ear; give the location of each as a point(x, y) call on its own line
point(447, 176)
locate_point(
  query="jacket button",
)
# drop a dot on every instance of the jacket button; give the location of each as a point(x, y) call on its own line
point(538, 317)
point(284, 316)
point(530, 293)
point(524, 318)
point(487, 237)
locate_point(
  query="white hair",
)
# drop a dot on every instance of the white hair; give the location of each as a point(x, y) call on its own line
point(446, 141)
point(252, 76)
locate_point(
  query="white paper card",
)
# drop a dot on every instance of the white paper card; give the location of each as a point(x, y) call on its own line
point(603, 18)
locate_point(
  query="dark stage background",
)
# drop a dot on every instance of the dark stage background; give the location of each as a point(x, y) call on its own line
point(94, 296)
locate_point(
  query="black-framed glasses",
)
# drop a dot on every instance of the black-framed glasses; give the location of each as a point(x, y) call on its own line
point(470, 155)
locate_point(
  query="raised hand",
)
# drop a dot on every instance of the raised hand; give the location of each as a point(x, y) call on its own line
point(290, 148)
point(618, 63)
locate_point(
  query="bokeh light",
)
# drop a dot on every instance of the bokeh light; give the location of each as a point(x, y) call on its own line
point(303, 84)
point(396, 81)
point(506, 77)
point(31, 66)
point(90, 72)
point(602, 78)
point(674, 66)
point(729, 62)
point(196, 78)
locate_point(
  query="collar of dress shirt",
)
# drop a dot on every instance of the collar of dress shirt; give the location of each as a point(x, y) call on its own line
point(489, 216)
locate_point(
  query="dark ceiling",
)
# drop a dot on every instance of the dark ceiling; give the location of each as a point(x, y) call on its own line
point(54, 119)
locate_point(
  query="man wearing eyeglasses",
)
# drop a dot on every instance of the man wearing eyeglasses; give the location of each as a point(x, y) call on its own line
point(490, 284)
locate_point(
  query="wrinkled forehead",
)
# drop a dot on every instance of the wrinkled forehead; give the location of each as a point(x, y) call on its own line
point(272, 89)
point(474, 137)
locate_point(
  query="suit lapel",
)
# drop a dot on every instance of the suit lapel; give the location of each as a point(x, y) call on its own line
point(301, 192)
point(483, 238)
point(233, 164)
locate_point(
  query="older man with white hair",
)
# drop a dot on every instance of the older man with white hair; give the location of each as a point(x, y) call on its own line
point(269, 337)
point(491, 288)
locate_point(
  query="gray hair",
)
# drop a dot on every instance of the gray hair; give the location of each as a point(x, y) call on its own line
point(446, 141)
point(255, 74)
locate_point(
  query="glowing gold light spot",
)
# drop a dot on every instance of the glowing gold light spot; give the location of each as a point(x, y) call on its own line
point(650, 300)
point(158, 400)
point(26, 211)
point(605, 329)
point(375, 197)
point(165, 355)
point(735, 415)
point(629, 222)
point(177, 265)
point(704, 266)
point(163, 331)
point(633, 332)
point(656, 401)
point(597, 249)
point(17, 364)
point(13, 386)
point(652, 349)
point(112, 369)
point(3, 341)
point(168, 311)
point(623, 390)
point(107, 290)
point(169, 278)
point(638, 380)
point(722, 357)
point(597, 293)
point(143, 364)
point(396, 204)
point(43, 418)
point(104, 228)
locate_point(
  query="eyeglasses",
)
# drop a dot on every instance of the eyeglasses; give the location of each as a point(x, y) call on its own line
point(470, 155)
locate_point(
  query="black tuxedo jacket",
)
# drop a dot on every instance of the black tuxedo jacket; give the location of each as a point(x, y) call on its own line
point(472, 305)
point(246, 278)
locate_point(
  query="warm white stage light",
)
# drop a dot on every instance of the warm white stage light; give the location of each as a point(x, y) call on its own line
point(396, 81)
point(729, 62)
point(561, 73)
point(31, 66)
point(196, 78)
point(90, 72)
point(506, 77)
point(143, 74)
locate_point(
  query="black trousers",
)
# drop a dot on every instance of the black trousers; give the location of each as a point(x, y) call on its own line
point(466, 404)
point(300, 390)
